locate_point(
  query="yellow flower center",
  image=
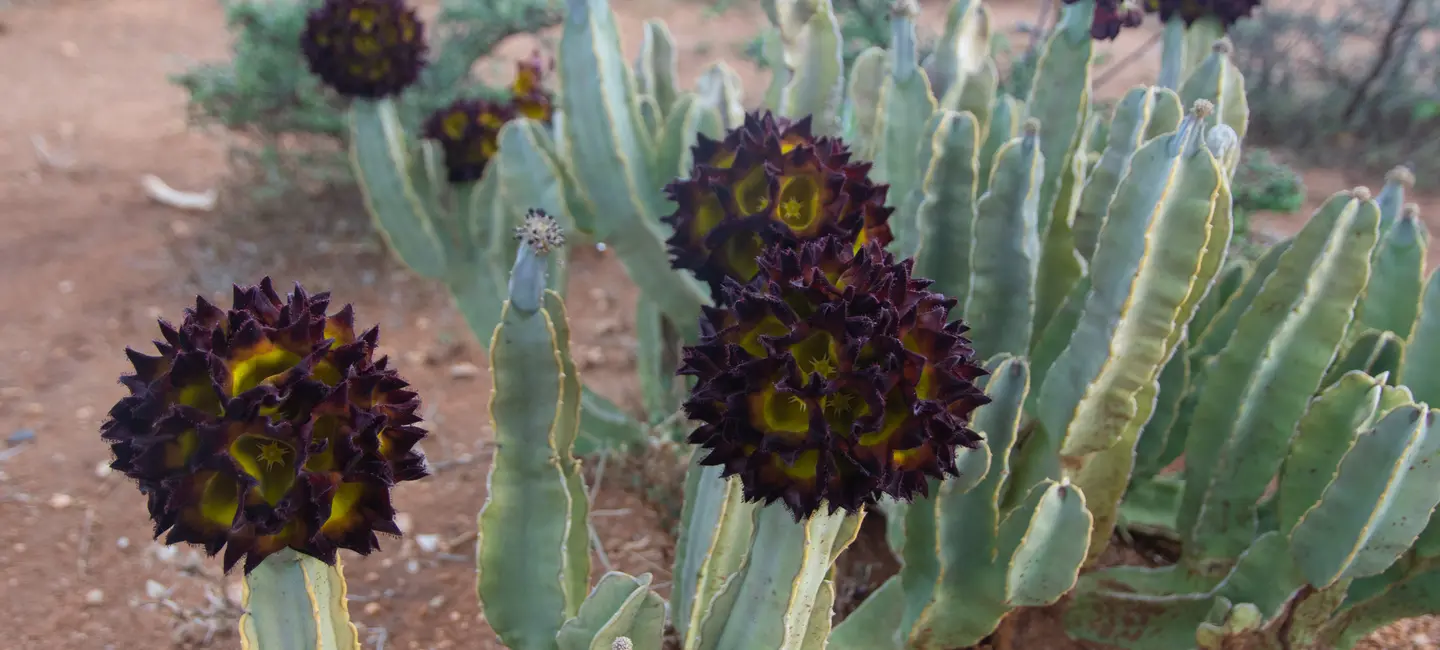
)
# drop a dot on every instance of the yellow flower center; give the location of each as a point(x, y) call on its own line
point(816, 354)
point(799, 202)
point(454, 125)
point(272, 454)
point(805, 467)
point(823, 365)
point(364, 17)
point(836, 403)
point(366, 45)
point(790, 210)
point(342, 508)
point(270, 362)
point(752, 193)
point(265, 460)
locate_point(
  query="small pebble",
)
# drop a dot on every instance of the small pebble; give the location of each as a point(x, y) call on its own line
point(19, 547)
point(464, 370)
point(122, 543)
point(372, 576)
point(94, 597)
point(437, 602)
point(66, 286)
point(69, 49)
point(103, 470)
point(428, 543)
point(412, 566)
point(1420, 639)
point(155, 590)
point(454, 616)
point(34, 408)
point(61, 501)
point(20, 437)
point(404, 521)
point(372, 608)
point(84, 413)
point(422, 323)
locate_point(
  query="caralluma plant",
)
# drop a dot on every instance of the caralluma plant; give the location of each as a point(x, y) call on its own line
point(365, 48)
point(832, 377)
point(994, 321)
point(265, 430)
point(769, 182)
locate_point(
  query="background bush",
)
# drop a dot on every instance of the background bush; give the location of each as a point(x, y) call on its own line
point(281, 114)
point(1360, 82)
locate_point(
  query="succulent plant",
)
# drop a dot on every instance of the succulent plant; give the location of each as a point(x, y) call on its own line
point(770, 181)
point(1088, 255)
point(267, 426)
point(833, 377)
point(365, 48)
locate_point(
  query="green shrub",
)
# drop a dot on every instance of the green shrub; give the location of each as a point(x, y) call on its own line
point(1358, 85)
point(1263, 183)
point(265, 93)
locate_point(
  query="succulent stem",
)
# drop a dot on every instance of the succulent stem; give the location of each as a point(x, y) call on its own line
point(902, 37)
point(278, 593)
point(1075, 20)
point(539, 235)
point(1172, 53)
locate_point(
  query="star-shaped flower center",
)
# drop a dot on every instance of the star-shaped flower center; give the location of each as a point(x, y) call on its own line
point(272, 454)
point(790, 210)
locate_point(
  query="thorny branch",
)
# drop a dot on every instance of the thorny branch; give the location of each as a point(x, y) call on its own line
point(1134, 55)
point(1387, 48)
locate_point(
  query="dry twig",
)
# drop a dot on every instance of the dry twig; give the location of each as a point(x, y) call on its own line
point(82, 557)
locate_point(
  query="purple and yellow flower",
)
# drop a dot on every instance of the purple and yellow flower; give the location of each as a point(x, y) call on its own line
point(1111, 16)
point(528, 96)
point(769, 182)
point(266, 426)
point(1228, 12)
point(468, 130)
point(833, 377)
point(369, 49)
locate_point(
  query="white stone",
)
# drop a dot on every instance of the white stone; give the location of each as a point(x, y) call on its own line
point(155, 590)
